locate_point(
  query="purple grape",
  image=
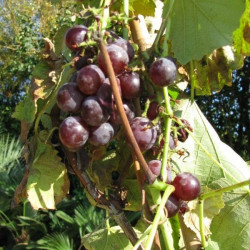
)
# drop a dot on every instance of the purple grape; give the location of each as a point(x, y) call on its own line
point(182, 133)
point(144, 132)
point(129, 110)
point(163, 72)
point(100, 136)
point(105, 94)
point(118, 56)
point(69, 98)
point(187, 186)
point(75, 36)
point(126, 46)
point(155, 167)
point(89, 79)
point(172, 205)
point(92, 112)
point(73, 132)
point(130, 85)
point(153, 110)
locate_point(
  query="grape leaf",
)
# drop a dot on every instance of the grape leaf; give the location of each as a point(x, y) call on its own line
point(212, 207)
point(48, 182)
point(241, 36)
point(197, 161)
point(25, 110)
point(200, 26)
point(231, 229)
point(106, 239)
point(133, 195)
point(137, 7)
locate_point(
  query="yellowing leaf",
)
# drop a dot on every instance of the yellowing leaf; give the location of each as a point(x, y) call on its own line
point(48, 182)
point(241, 36)
point(212, 207)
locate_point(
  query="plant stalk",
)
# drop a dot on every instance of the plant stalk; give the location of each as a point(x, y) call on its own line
point(168, 122)
point(149, 175)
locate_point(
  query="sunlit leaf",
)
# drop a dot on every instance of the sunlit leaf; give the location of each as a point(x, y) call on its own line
point(200, 26)
point(48, 182)
point(212, 207)
point(197, 161)
point(231, 228)
point(241, 36)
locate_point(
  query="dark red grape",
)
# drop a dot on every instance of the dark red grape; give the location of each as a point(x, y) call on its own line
point(92, 112)
point(118, 56)
point(144, 132)
point(105, 94)
point(163, 72)
point(187, 186)
point(126, 46)
point(89, 79)
point(100, 136)
point(182, 133)
point(172, 205)
point(75, 36)
point(153, 110)
point(73, 132)
point(130, 85)
point(69, 98)
point(155, 167)
point(129, 110)
point(183, 206)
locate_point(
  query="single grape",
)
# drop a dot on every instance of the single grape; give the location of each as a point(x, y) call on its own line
point(172, 205)
point(89, 79)
point(69, 98)
point(155, 167)
point(182, 133)
point(118, 56)
point(100, 136)
point(153, 110)
point(73, 132)
point(187, 186)
point(183, 206)
point(163, 72)
point(130, 85)
point(129, 110)
point(126, 46)
point(144, 132)
point(105, 94)
point(75, 36)
point(92, 112)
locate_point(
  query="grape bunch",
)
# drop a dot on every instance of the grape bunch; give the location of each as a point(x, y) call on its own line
point(92, 116)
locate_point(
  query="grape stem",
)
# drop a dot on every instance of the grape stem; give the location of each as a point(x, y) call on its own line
point(126, 13)
point(149, 175)
point(168, 122)
point(112, 206)
point(158, 216)
point(207, 195)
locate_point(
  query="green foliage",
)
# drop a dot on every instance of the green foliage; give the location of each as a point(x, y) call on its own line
point(198, 27)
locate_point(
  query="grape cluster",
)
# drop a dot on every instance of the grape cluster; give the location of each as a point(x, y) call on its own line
point(92, 115)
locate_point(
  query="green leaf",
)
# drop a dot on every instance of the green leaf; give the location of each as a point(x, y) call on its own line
point(48, 182)
point(107, 239)
point(25, 110)
point(62, 215)
point(212, 207)
point(241, 36)
point(102, 169)
point(197, 161)
point(200, 26)
point(143, 7)
point(60, 47)
point(133, 195)
point(137, 7)
point(230, 229)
